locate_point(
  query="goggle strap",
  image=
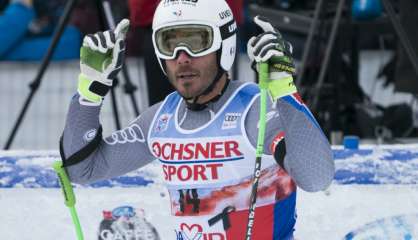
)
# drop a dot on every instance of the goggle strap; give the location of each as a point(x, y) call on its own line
point(228, 29)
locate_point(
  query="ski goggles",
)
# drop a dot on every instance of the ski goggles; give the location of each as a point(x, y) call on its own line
point(196, 39)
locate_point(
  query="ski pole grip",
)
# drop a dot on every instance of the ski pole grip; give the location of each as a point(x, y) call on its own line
point(66, 187)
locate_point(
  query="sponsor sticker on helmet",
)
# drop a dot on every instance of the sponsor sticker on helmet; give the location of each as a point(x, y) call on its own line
point(188, 2)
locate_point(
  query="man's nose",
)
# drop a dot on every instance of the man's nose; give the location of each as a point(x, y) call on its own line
point(183, 57)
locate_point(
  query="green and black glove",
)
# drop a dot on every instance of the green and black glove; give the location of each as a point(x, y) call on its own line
point(101, 59)
point(271, 48)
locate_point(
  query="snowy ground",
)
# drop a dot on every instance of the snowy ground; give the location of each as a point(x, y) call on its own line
point(374, 197)
point(40, 212)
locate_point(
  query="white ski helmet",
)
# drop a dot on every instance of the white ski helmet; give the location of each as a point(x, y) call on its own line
point(198, 27)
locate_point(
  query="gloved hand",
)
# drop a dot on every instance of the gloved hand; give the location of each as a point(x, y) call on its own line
point(271, 48)
point(101, 59)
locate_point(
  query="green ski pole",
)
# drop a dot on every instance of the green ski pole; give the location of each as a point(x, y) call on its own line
point(263, 81)
point(69, 196)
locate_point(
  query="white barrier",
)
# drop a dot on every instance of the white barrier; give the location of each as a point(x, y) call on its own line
point(44, 120)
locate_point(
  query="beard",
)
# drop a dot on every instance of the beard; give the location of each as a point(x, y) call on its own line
point(191, 82)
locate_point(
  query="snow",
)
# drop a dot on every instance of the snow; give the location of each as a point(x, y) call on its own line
point(374, 196)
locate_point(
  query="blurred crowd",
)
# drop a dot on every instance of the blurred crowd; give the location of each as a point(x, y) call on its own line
point(34, 22)
point(26, 27)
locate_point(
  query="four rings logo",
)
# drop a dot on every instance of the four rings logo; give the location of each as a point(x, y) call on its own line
point(231, 120)
point(131, 134)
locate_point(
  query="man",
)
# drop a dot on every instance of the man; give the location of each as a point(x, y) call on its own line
point(141, 15)
point(204, 134)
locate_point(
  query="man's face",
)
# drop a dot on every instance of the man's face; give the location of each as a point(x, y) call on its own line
point(191, 75)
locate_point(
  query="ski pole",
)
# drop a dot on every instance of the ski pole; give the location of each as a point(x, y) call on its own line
point(69, 196)
point(263, 80)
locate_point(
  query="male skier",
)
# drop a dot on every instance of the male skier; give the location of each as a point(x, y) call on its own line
point(204, 134)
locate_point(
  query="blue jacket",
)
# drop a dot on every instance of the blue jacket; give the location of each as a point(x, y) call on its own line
point(17, 46)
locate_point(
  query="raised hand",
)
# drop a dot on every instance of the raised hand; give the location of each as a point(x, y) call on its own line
point(101, 59)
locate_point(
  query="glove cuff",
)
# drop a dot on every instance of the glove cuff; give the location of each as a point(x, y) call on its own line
point(91, 90)
point(281, 87)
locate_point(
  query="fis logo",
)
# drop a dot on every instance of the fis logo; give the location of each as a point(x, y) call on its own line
point(162, 122)
point(178, 13)
point(195, 232)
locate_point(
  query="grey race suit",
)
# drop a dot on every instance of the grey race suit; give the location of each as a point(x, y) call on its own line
point(308, 162)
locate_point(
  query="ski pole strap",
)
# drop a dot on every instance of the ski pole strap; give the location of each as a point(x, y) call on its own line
point(82, 153)
point(263, 84)
point(66, 187)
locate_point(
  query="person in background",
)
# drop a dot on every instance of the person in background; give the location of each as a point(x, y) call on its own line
point(26, 30)
point(141, 14)
point(85, 16)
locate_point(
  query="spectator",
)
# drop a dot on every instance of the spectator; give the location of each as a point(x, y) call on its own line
point(141, 14)
point(85, 17)
point(237, 7)
point(30, 36)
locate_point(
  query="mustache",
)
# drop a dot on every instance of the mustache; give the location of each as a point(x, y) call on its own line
point(186, 69)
